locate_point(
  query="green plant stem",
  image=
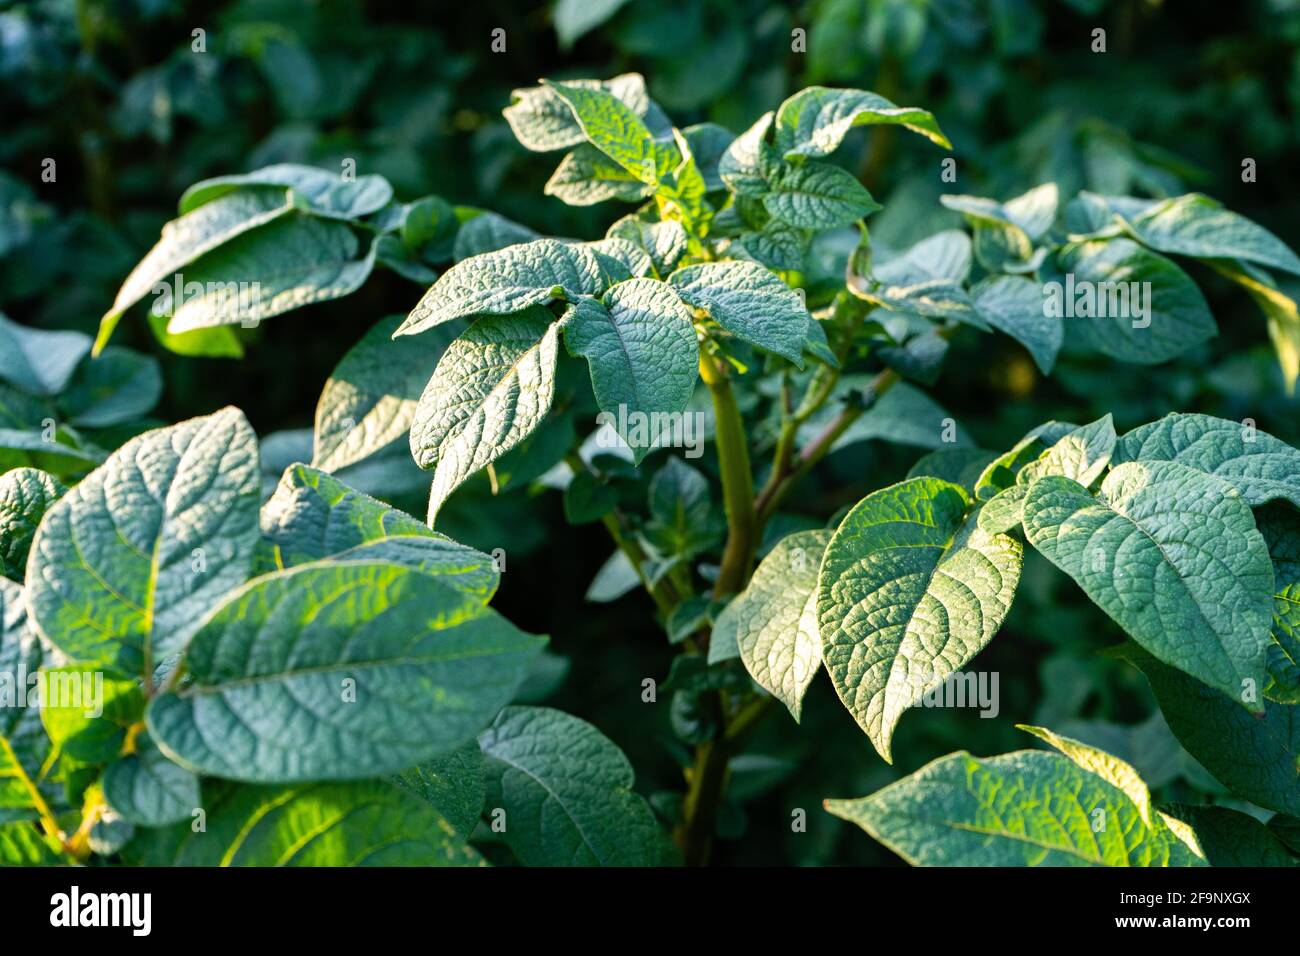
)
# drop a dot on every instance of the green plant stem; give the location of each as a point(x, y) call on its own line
point(819, 447)
point(737, 481)
point(707, 778)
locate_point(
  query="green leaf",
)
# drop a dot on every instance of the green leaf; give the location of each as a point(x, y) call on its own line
point(454, 784)
point(1004, 471)
point(148, 789)
point(817, 195)
point(62, 453)
point(313, 516)
point(1256, 757)
point(1081, 454)
point(367, 823)
point(588, 499)
point(370, 398)
point(1005, 233)
point(295, 261)
point(336, 671)
point(815, 120)
point(573, 18)
point(1111, 276)
point(491, 388)
point(616, 130)
point(566, 791)
point(1173, 557)
point(749, 162)
point(1028, 808)
point(509, 280)
point(542, 121)
point(909, 591)
point(945, 255)
point(319, 191)
point(1198, 226)
point(961, 466)
point(664, 242)
point(926, 279)
point(1279, 309)
point(220, 341)
point(23, 742)
point(125, 564)
point(25, 495)
point(587, 176)
point(632, 257)
point(708, 142)
point(488, 232)
point(37, 361)
point(1232, 838)
point(116, 386)
point(775, 619)
point(749, 301)
point(200, 230)
point(1014, 305)
point(21, 845)
point(1280, 526)
point(1261, 467)
point(639, 342)
point(683, 521)
point(1003, 511)
point(86, 720)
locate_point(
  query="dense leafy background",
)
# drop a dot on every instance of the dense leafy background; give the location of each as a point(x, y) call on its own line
point(113, 93)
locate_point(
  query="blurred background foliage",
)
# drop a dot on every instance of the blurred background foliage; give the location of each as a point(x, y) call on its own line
point(116, 94)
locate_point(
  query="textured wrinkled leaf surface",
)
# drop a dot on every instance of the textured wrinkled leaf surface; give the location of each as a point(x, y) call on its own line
point(775, 619)
point(1029, 808)
point(910, 590)
point(491, 388)
point(1258, 465)
point(367, 823)
point(749, 301)
point(1173, 557)
point(338, 671)
point(25, 495)
point(148, 789)
point(567, 792)
point(313, 516)
point(640, 344)
point(125, 565)
point(507, 280)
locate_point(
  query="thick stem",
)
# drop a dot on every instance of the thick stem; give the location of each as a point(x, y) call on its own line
point(737, 481)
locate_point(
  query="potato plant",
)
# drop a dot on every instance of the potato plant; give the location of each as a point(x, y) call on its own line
point(295, 672)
